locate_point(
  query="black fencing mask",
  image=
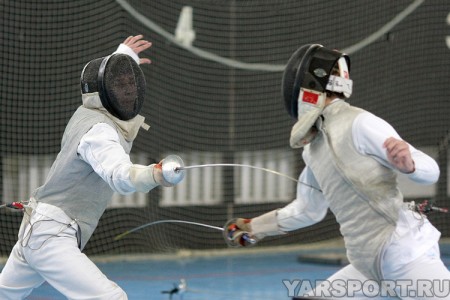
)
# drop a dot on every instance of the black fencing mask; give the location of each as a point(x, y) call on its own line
point(310, 69)
point(120, 83)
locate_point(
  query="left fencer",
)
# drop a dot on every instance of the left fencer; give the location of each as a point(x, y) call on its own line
point(93, 163)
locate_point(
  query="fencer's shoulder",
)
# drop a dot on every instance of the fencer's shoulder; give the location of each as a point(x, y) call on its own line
point(92, 116)
point(342, 110)
point(367, 118)
point(84, 119)
point(101, 131)
point(87, 112)
point(364, 120)
point(354, 107)
point(367, 125)
point(103, 128)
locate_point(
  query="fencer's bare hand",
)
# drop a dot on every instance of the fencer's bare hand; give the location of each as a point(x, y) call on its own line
point(137, 44)
point(399, 155)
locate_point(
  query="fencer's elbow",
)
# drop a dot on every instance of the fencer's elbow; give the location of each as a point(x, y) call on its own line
point(433, 176)
point(436, 176)
point(426, 176)
point(121, 188)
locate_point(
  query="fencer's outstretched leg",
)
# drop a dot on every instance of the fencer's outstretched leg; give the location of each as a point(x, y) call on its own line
point(18, 278)
point(71, 272)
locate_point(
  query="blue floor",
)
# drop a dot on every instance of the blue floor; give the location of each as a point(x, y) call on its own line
point(256, 276)
point(249, 276)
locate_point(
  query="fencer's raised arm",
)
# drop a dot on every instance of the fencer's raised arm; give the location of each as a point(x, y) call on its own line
point(370, 134)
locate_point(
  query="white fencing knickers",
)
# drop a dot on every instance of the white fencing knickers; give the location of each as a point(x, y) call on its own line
point(47, 250)
point(410, 263)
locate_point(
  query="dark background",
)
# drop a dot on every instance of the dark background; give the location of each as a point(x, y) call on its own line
point(197, 104)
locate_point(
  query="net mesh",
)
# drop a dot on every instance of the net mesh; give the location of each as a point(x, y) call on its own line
point(214, 96)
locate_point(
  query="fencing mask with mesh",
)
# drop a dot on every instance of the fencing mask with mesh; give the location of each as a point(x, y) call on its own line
point(120, 83)
point(310, 72)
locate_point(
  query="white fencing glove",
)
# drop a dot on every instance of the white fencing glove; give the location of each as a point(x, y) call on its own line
point(146, 178)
